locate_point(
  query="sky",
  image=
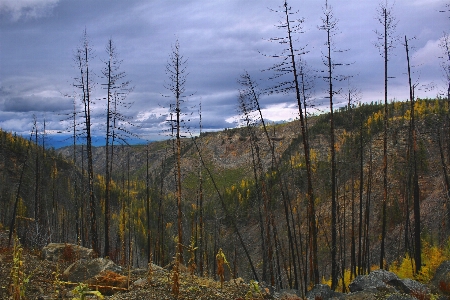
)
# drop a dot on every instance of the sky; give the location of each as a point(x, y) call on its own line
point(220, 40)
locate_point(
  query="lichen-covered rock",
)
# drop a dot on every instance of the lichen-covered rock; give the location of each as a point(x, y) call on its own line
point(322, 291)
point(85, 269)
point(376, 279)
point(67, 252)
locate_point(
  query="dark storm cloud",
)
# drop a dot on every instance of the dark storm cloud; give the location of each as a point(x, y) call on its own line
point(35, 103)
point(219, 39)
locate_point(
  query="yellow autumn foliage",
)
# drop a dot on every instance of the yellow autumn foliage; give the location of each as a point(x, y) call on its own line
point(348, 277)
point(432, 257)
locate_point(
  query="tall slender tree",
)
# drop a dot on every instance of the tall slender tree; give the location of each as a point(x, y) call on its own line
point(248, 101)
point(445, 46)
point(361, 190)
point(386, 42)
point(445, 63)
point(75, 181)
point(201, 230)
point(37, 178)
point(329, 25)
point(117, 89)
point(177, 73)
point(148, 204)
point(84, 83)
point(12, 226)
point(416, 190)
point(288, 66)
point(226, 211)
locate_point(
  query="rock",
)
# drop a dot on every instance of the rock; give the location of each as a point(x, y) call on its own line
point(376, 279)
point(322, 291)
point(239, 281)
point(362, 295)
point(67, 252)
point(85, 269)
point(409, 286)
point(397, 296)
point(140, 283)
point(441, 279)
point(287, 294)
point(108, 282)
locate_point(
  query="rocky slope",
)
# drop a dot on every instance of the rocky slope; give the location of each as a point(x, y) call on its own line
point(46, 279)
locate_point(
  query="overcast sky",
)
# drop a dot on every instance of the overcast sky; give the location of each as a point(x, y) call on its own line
point(221, 39)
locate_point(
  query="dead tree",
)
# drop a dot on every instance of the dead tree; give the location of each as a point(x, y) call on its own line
point(176, 71)
point(12, 225)
point(416, 190)
point(329, 25)
point(289, 67)
point(292, 55)
point(200, 201)
point(84, 83)
point(250, 118)
point(386, 40)
point(117, 89)
point(445, 63)
point(226, 211)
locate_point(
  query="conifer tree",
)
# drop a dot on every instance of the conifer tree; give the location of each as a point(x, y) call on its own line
point(289, 67)
point(416, 191)
point(329, 26)
point(176, 71)
point(386, 43)
point(117, 89)
point(84, 83)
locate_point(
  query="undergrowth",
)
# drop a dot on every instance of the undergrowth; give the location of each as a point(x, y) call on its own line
point(82, 290)
point(19, 280)
point(432, 257)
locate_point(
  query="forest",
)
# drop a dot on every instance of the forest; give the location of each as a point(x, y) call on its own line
point(320, 199)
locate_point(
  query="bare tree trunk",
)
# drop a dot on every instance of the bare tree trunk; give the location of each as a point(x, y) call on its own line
point(329, 25)
point(177, 74)
point(416, 190)
point(37, 178)
point(310, 193)
point(386, 38)
point(361, 190)
point(385, 170)
point(107, 162)
point(82, 59)
point(200, 200)
point(147, 190)
point(444, 171)
point(227, 214)
point(288, 66)
point(366, 246)
point(12, 227)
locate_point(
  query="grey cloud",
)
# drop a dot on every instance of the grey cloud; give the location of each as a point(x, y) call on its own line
point(220, 39)
point(36, 103)
point(26, 9)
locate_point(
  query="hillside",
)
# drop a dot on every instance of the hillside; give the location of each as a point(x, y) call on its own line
point(260, 223)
